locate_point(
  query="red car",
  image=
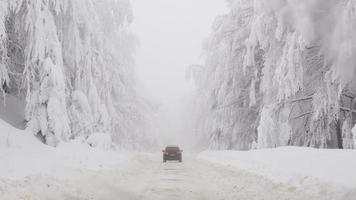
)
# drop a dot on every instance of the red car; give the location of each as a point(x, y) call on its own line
point(172, 153)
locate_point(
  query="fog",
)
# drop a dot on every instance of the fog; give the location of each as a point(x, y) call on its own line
point(171, 34)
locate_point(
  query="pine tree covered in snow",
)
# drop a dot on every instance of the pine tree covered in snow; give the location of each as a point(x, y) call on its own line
point(290, 63)
point(72, 62)
point(225, 83)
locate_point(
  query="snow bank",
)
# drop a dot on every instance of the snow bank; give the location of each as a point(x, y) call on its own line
point(11, 137)
point(292, 165)
point(22, 155)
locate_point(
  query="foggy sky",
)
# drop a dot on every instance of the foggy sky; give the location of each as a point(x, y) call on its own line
point(171, 35)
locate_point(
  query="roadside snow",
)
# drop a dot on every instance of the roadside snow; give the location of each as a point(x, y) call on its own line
point(303, 167)
point(22, 155)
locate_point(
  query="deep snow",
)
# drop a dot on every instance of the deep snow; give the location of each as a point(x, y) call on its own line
point(153, 180)
point(22, 155)
point(312, 170)
point(75, 170)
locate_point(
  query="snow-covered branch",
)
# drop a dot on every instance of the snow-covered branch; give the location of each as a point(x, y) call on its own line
point(270, 56)
point(71, 61)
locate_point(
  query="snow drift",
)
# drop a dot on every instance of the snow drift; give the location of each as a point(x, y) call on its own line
point(312, 170)
point(23, 155)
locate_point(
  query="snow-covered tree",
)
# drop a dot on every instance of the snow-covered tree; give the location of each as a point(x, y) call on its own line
point(4, 76)
point(72, 62)
point(225, 83)
point(290, 63)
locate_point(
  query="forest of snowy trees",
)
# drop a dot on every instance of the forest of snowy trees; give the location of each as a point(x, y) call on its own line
point(71, 63)
point(279, 72)
point(276, 72)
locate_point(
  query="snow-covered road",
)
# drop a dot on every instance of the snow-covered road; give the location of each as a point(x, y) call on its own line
point(153, 180)
point(198, 180)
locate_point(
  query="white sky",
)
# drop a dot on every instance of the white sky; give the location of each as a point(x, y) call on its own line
point(171, 34)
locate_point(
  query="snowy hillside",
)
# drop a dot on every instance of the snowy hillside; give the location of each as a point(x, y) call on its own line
point(279, 73)
point(70, 62)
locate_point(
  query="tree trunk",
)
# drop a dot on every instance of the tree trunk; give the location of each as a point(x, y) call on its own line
point(339, 134)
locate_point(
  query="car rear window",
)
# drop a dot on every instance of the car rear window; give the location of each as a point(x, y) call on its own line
point(172, 149)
